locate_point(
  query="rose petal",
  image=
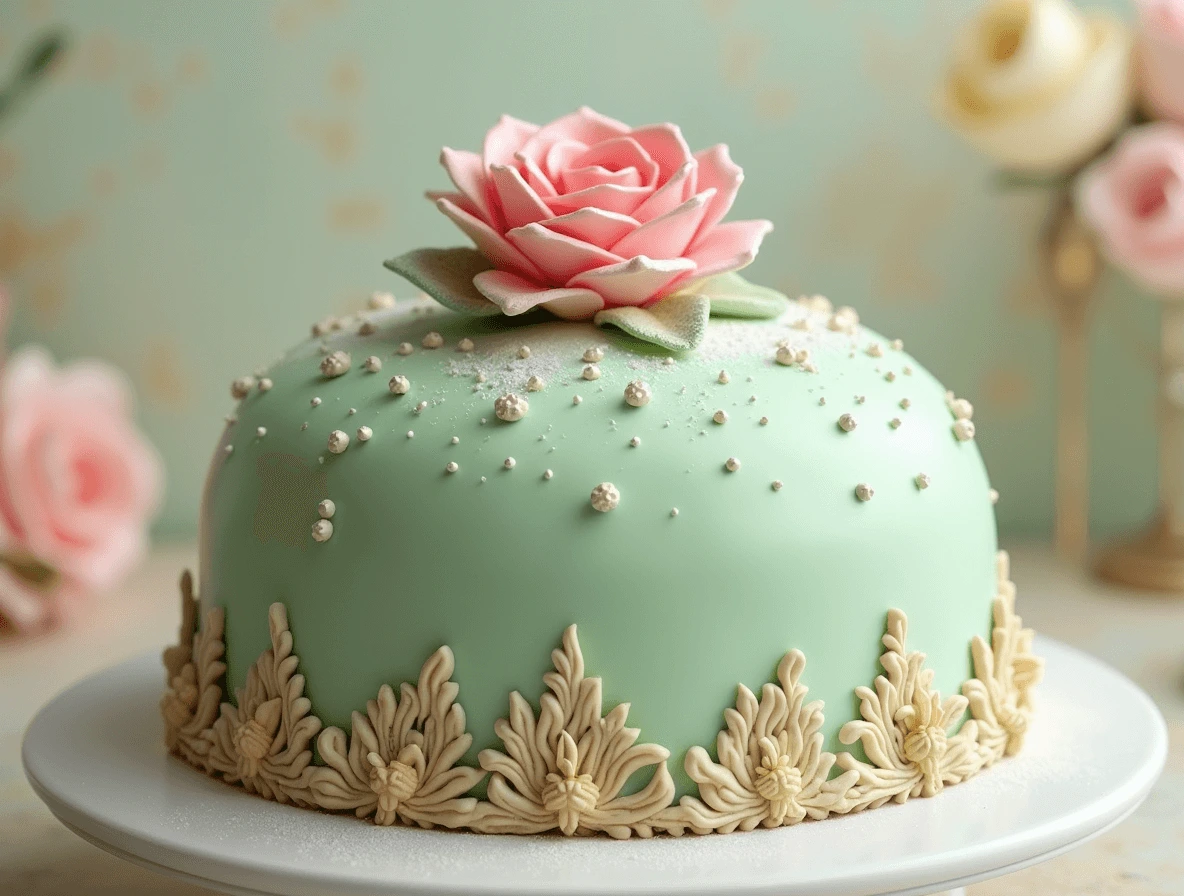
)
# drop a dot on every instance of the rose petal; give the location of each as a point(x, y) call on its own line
point(21, 604)
point(671, 194)
point(515, 295)
point(559, 157)
point(491, 244)
point(728, 247)
point(617, 155)
point(583, 126)
point(665, 145)
point(633, 282)
point(716, 169)
point(622, 200)
point(577, 304)
point(535, 176)
point(669, 235)
point(560, 257)
point(505, 139)
point(593, 225)
point(467, 171)
point(584, 178)
point(519, 203)
point(458, 199)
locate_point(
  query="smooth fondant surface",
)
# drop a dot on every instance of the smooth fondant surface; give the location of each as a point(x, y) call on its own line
point(672, 611)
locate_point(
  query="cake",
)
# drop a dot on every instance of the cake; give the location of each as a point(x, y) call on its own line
point(597, 536)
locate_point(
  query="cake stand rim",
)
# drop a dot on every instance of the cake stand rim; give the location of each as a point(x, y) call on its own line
point(213, 864)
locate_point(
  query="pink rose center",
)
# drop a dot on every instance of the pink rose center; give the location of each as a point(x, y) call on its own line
point(1150, 196)
point(89, 480)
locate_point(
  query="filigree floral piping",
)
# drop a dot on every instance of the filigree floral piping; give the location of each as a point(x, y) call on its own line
point(400, 762)
point(193, 681)
point(564, 770)
point(263, 741)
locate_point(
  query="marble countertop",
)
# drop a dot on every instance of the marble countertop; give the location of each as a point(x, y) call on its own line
point(1142, 636)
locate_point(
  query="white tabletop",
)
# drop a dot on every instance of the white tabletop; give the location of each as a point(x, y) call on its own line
point(1140, 636)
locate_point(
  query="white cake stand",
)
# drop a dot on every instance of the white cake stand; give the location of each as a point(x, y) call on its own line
point(95, 756)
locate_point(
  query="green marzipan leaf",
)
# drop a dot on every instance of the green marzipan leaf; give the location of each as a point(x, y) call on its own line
point(447, 276)
point(733, 296)
point(677, 323)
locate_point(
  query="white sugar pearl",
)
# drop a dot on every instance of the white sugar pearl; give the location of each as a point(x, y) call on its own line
point(455, 440)
point(847, 423)
point(922, 480)
point(864, 492)
point(635, 442)
point(260, 431)
point(405, 348)
point(380, 300)
point(593, 354)
point(524, 352)
point(432, 340)
point(338, 441)
point(547, 474)
point(421, 407)
point(723, 379)
point(905, 404)
point(509, 463)
point(364, 433)
point(894, 423)
point(465, 345)
point(451, 467)
point(242, 387)
point(265, 384)
point(732, 464)
point(326, 509)
point(576, 399)
point(778, 485)
point(511, 407)
point(399, 385)
point(411, 433)
point(322, 530)
point(638, 394)
point(605, 497)
point(963, 430)
point(335, 364)
point(315, 402)
point(993, 495)
point(764, 421)
point(590, 372)
point(720, 416)
point(961, 408)
point(535, 384)
point(372, 364)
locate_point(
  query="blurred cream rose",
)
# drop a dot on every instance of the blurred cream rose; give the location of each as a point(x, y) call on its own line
point(1161, 57)
point(1037, 86)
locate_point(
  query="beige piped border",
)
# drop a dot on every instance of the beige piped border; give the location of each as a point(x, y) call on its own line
point(564, 768)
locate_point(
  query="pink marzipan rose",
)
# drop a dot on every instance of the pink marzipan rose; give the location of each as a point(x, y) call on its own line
point(587, 213)
point(78, 484)
point(1134, 199)
point(1161, 57)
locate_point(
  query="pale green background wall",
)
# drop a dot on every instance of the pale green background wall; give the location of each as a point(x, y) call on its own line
point(200, 181)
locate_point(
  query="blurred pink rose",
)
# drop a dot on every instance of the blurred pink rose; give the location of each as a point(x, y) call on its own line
point(78, 485)
point(1134, 199)
point(1161, 57)
point(587, 213)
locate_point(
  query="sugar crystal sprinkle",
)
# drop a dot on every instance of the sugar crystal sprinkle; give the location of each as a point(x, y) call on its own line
point(894, 423)
point(905, 404)
point(322, 531)
point(338, 441)
point(432, 340)
point(421, 407)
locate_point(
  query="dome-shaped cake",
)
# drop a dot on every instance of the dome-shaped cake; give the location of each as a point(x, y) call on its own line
point(420, 523)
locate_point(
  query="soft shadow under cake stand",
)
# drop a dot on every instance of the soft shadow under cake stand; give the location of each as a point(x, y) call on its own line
point(95, 756)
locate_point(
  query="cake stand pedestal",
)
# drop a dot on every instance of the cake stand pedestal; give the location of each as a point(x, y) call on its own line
point(95, 756)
